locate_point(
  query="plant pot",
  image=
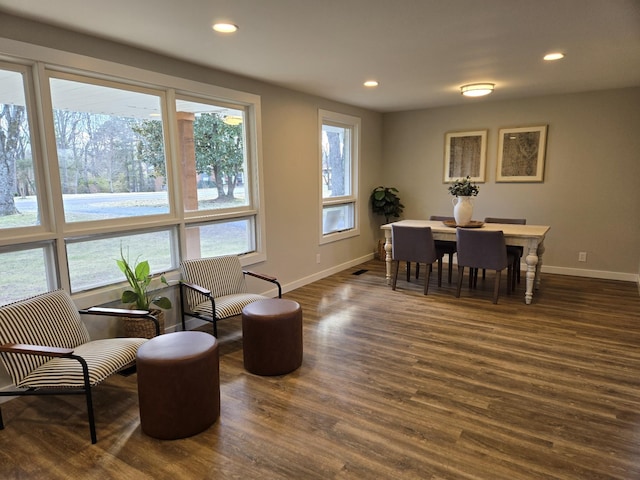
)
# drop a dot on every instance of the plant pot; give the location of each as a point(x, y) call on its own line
point(143, 327)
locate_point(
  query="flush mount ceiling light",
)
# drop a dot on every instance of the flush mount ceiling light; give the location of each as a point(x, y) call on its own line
point(554, 56)
point(225, 27)
point(371, 83)
point(477, 89)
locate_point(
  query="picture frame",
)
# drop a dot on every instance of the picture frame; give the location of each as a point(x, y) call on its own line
point(465, 154)
point(521, 154)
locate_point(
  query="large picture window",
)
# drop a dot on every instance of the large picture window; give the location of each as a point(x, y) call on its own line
point(339, 142)
point(19, 205)
point(160, 173)
point(213, 155)
point(110, 150)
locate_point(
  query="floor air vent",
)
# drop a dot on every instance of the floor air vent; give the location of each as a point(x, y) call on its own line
point(359, 272)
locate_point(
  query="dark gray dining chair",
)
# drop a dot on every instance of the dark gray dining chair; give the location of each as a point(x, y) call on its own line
point(444, 247)
point(515, 250)
point(483, 249)
point(412, 244)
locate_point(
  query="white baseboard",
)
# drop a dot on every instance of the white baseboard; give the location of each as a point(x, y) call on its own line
point(325, 273)
point(192, 323)
point(581, 272)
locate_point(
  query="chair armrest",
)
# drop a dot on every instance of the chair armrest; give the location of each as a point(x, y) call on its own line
point(266, 278)
point(115, 312)
point(36, 350)
point(197, 288)
point(123, 312)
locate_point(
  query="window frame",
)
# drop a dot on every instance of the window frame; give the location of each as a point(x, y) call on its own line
point(353, 124)
point(37, 63)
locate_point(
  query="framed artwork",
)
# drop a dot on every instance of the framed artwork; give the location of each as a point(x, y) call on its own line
point(521, 153)
point(465, 154)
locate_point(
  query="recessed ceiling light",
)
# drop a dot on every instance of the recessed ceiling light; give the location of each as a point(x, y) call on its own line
point(477, 89)
point(554, 56)
point(371, 83)
point(225, 27)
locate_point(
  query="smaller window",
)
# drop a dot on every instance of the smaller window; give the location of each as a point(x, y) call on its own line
point(25, 272)
point(339, 141)
point(92, 263)
point(228, 237)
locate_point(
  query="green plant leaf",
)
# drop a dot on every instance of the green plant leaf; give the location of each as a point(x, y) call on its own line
point(129, 296)
point(142, 271)
point(162, 302)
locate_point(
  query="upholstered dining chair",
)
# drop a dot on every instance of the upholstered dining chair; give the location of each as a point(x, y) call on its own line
point(444, 247)
point(515, 250)
point(483, 249)
point(413, 244)
point(214, 288)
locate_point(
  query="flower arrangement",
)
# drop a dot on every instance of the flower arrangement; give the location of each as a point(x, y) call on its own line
point(464, 188)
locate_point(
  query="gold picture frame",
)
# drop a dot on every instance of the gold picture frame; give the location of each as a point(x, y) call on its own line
point(521, 154)
point(465, 154)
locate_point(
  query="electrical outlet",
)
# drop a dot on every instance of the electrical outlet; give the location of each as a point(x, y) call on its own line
point(582, 256)
point(317, 258)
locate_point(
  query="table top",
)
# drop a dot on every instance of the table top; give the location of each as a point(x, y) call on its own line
point(509, 229)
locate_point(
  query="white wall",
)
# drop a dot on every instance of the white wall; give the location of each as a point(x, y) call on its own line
point(591, 191)
point(290, 162)
point(590, 196)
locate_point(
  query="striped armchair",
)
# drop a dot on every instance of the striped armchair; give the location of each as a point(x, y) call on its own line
point(46, 349)
point(214, 288)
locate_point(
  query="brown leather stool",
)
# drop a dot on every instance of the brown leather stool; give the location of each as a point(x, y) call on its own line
point(272, 336)
point(178, 384)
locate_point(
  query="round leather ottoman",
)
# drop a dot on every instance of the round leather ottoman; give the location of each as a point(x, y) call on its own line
point(178, 384)
point(272, 336)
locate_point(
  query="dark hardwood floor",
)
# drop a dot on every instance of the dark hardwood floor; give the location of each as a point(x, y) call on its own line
point(393, 385)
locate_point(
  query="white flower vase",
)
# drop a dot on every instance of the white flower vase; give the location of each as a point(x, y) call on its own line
point(462, 210)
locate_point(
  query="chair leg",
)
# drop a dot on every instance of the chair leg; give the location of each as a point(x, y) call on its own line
point(450, 267)
point(460, 275)
point(182, 300)
point(408, 271)
point(417, 270)
point(440, 272)
point(395, 275)
point(87, 394)
point(496, 286)
point(427, 276)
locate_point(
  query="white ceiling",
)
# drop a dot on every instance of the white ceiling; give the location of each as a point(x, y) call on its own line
point(421, 51)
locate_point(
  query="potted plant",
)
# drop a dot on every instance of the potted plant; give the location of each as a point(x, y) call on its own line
point(139, 277)
point(463, 190)
point(385, 201)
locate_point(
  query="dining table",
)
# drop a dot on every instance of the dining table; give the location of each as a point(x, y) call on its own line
point(530, 237)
